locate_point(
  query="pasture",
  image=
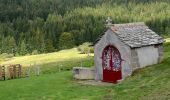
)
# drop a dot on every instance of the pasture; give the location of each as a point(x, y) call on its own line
point(150, 83)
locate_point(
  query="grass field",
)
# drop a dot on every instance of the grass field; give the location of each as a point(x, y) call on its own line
point(150, 83)
point(51, 62)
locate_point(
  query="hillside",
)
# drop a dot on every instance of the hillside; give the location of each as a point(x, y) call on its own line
point(150, 83)
point(49, 33)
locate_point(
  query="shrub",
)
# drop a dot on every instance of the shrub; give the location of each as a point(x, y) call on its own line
point(6, 55)
point(34, 52)
point(85, 48)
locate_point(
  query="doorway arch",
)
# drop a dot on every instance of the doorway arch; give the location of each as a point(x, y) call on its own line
point(111, 63)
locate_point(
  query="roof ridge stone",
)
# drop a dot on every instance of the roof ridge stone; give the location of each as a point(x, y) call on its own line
point(130, 24)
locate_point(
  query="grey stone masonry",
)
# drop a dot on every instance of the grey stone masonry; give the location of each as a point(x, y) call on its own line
point(82, 73)
point(135, 60)
point(160, 52)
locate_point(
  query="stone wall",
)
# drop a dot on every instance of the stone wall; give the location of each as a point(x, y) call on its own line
point(148, 55)
point(134, 59)
point(160, 52)
point(82, 73)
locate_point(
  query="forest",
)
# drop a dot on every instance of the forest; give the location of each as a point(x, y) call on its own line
point(43, 26)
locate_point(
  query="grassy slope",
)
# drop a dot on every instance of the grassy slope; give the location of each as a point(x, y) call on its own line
point(47, 58)
point(51, 62)
point(151, 83)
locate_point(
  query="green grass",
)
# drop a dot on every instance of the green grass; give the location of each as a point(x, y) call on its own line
point(64, 55)
point(51, 62)
point(150, 83)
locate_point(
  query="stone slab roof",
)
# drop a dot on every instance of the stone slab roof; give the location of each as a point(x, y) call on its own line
point(136, 34)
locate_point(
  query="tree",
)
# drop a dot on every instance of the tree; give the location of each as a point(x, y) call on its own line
point(23, 48)
point(66, 41)
point(12, 45)
point(49, 46)
point(41, 27)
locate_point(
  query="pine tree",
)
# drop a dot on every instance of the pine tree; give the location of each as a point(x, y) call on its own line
point(23, 48)
point(12, 45)
point(49, 46)
point(66, 41)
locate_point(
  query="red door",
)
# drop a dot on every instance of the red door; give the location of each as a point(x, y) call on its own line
point(111, 61)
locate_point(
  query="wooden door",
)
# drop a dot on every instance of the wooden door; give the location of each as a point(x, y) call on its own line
point(111, 61)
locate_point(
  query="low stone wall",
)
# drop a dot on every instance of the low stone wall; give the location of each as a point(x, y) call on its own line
point(82, 73)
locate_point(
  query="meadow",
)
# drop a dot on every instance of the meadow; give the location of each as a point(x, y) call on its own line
point(150, 83)
point(52, 62)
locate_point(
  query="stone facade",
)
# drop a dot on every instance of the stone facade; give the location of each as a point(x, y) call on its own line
point(125, 51)
point(146, 56)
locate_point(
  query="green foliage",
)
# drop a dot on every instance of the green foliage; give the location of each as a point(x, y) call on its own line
point(85, 48)
point(49, 46)
point(66, 41)
point(35, 52)
point(41, 23)
point(23, 48)
point(5, 57)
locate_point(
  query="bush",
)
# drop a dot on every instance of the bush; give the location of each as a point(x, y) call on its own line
point(34, 52)
point(6, 55)
point(85, 48)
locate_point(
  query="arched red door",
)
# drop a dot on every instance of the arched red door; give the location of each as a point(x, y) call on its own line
point(111, 61)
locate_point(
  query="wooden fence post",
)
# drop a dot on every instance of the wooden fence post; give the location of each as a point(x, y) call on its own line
point(28, 72)
point(38, 73)
point(19, 71)
point(3, 72)
point(14, 71)
point(35, 69)
point(0, 72)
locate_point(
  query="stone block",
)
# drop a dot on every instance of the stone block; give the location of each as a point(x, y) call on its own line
point(82, 73)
